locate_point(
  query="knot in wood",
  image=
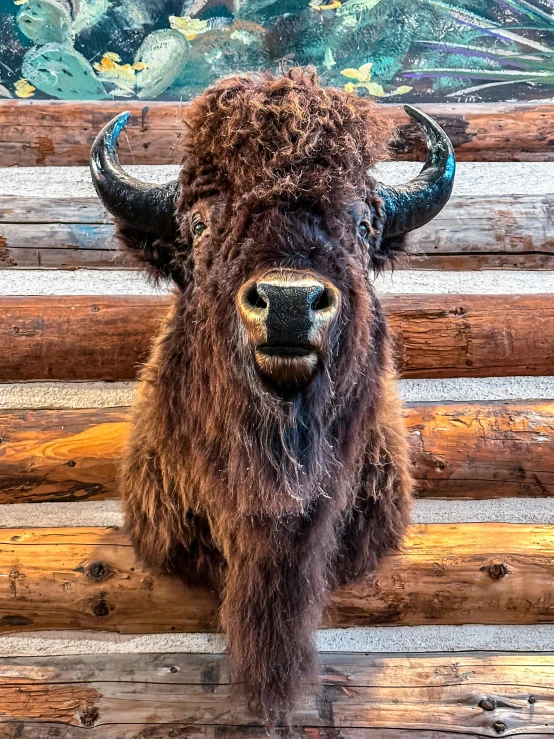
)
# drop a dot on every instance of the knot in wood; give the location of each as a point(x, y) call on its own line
point(89, 716)
point(498, 570)
point(488, 704)
point(499, 727)
point(98, 571)
point(100, 608)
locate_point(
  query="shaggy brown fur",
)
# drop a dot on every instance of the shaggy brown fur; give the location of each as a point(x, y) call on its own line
point(271, 497)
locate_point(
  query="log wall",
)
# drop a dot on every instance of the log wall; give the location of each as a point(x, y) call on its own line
point(363, 696)
point(471, 233)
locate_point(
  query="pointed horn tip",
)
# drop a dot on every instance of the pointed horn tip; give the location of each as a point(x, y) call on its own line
point(116, 126)
point(417, 115)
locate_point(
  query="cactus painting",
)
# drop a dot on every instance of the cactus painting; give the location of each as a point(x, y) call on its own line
point(409, 50)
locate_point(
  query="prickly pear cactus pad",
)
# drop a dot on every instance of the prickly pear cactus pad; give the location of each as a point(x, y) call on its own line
point(45, 21)
point(62, 72)
point(160, 58)
point(401, 50)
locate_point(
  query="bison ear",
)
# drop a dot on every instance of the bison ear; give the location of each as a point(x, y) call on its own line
point(162, 259)
point(383, 250)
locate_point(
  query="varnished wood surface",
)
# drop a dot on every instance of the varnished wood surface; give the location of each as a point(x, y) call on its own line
point(177, 730)
point(445, 574)
point(60, 455)
point(77, 337)
point(482, 450)
point(421, 696)
point(460, 450)
point(503, 232)
point(106, 338)
point(42, 133)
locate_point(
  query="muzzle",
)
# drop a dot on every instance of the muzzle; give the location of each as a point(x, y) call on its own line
point(287, 315)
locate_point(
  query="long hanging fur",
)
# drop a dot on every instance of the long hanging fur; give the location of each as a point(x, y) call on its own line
point(271, 498)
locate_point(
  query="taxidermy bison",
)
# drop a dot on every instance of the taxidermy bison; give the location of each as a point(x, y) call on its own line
point(268, 457)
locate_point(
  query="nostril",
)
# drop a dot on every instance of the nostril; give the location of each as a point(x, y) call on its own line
point(254, 299)
point(322, 300)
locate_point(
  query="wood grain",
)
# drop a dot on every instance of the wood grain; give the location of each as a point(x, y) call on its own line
point(460, 450)
point(60, 455)
point(77, 337)
point(38, 133)
point(415, 695)
point(21, 730)
point(472, 335)
point(106, 338)
point(482, 450)
point(505, 232)
point(85, 578)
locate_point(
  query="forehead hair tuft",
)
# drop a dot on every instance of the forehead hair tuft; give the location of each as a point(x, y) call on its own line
point(284, 135)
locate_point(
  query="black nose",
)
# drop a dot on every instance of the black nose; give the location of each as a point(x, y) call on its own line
point(293, 310)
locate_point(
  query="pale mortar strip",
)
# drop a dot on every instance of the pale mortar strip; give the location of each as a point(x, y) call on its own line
point(59, 395)
point(381, 639)
point(473, 179)
point(539, 511)
point(41, 282)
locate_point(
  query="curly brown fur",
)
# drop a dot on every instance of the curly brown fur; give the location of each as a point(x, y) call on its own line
point(271, 497)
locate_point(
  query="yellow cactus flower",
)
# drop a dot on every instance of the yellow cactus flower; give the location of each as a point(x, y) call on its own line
point(402, 90)
point(362, 74)
point(334, 5)
point(24, 89)
point(20, 2)
point(352, 73)
point(105, 65)
point(111, 71)
point(189, 27)
point(112, 56)
point(139, 66)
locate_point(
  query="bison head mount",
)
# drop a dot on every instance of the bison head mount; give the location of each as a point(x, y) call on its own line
point(268, 457)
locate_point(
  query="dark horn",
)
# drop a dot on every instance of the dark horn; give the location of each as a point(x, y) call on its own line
point(142, 205)
point(414, 204)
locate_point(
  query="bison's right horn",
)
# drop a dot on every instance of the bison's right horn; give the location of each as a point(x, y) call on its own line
point(414, 204)
point(142, 205)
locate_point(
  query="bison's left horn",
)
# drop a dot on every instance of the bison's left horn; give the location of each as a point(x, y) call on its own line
point(144, 206)
point(414, 204)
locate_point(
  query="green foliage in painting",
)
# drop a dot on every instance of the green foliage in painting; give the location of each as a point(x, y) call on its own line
point(409, 50)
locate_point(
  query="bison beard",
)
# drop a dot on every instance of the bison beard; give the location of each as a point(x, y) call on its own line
point(270, 491)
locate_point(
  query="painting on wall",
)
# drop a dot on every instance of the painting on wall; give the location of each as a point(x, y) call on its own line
point(402, 50)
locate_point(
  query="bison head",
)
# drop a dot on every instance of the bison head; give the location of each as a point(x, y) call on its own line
point(271, 234)
point(276, 199)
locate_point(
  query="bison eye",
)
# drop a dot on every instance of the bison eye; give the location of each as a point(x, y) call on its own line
point(364, 229)
point(198, 227)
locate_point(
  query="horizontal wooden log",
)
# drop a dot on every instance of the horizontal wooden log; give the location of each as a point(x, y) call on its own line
point(503, 232)
point(77, 337)
point(38, 133)
point(472, 335)
point(190, 695)
point(445, 574)
point(482, 450)
point(460, 450)
point(20, 730)
point(106, 338)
